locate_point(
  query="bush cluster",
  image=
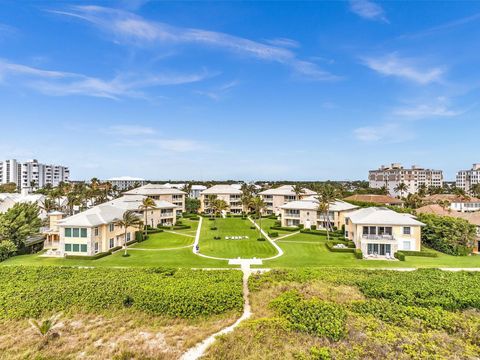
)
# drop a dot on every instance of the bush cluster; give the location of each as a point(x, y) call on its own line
point(34, 291)
point(312, 316)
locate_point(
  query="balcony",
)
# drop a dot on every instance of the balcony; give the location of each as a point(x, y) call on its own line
point(291, 215)
point(166, 215)
point(378, 237)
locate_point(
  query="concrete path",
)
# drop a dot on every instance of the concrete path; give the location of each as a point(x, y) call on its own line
point(199, 350)
point(285, 236)
point(146, 249)
point(177, 233)
point(278, 248)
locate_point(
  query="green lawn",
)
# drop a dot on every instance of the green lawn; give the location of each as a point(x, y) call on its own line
point(245, 248)
point(165, 240)
point(306, 250)
point(268, 223)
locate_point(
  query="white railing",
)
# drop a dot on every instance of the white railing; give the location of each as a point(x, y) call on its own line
point(378, 237)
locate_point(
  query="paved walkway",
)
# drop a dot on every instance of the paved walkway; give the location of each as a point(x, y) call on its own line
point(177, 233)
point(278, 248)
point(199, 350)
point(285, 236)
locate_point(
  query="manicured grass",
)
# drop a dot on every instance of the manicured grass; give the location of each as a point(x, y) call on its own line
point(164, 240)
point(306, 250)
point(181, 258)
point(268, 223)
point(245, 248)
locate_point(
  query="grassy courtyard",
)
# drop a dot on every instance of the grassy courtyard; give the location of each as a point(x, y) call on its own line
point(233, 227)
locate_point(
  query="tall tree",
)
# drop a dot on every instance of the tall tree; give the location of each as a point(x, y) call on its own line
point(20, 222)
point(129, 219)
point(401, 188)
point(258, 206)
point(147, 204)
point(475, 190)
point(327, 194)
point(218, 206)
point(211, 203)
point(298, 190)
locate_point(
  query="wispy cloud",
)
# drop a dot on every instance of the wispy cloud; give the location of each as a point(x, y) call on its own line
point(132, 29)
point(393, 65)
point(130, 130)
point(6, 30)
point(283, 42)
point(60, 83)
point(439, 108)
point(442, 27)
point(387, 133)
point(218, 92)
point(368, 10)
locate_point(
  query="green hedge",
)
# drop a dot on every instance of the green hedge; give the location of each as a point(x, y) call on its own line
point(358, 253)
point(333, 234)
point(273, 234)
point(27, 292)
point(399, 255)
point(93, 257)
point(285, 228)
point(422, 253)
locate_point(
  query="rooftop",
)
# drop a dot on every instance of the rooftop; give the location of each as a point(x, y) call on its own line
point(154, 189)
point(451, 198)
point(311, 203)
point(382, 216)
point(222, 189)
point(472, 217)
point(285, 190)
point(373, 198)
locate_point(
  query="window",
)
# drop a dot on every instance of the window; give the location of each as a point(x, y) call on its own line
point(128, 236)
point(68, 232)
point(112, 243)
point(83, 248)
point(76, 247)
point(68, 247)
point(406, 245)
point(96, 247)
point(83, 232)
point(111, 227)
point(96, 231)
point(407, 230)
point(76, 232)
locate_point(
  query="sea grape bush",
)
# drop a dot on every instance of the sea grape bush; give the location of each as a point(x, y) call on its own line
point(32, 291)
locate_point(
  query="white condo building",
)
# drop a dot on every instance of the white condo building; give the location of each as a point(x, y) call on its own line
point(390, 176)
point(32, 175)
point(126, 182)
point(467, 178)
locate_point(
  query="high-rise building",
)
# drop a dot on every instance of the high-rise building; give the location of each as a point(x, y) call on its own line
point(32, 175)
point(467, 178)
point(391, 176)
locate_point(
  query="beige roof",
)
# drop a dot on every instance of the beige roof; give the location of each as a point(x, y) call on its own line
point(285, 190)
point(311, 203)
point(451, 198)
point(382, 216)
point(110, 211)
point(373, 198)
point(471, 217)
point(154, 190)
point(222, 189)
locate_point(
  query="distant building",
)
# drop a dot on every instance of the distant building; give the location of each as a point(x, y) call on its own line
point(467, 178)
point(381, 200)
point(126, 182)
point(8, 200)
point(162, 192)
point(456, 203)
point(391, 176)
point(32, 175)
point(275, 198)
point(194, 192)
point(228, 193)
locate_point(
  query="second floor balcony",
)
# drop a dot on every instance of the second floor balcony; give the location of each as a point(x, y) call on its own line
point(378, 237)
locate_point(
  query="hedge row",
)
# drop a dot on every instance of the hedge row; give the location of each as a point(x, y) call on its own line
point(400, 255)
point(330, 246)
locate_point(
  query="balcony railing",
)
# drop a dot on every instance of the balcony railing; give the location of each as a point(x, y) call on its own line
point(292, 215)
point(378, 237)
point(168, 214)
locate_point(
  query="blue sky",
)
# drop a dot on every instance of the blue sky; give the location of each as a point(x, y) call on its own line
point(244, 90)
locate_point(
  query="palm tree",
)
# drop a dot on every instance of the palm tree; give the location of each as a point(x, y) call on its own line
point(422, 190)
point(210, 203)
point(327, 194)
point(258, 205)
point(460, 193)
point(49, 205)
point(147, 204)
point(129, 219)
point(475, 190)
point(401, 188)
point(45, 327)
point(298, 190)
point(218, 206)
point(445, 204)
point(246, 200)
point(187, 188)
point(413, 201)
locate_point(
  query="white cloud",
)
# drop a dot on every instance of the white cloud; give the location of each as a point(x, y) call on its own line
point(218, 92)
point(131, 130)
point(439, 108)
point(59, 83)
point(284, 42)
point(368, 10)
point(393, 65)
point(132, 29)
point(388, 133)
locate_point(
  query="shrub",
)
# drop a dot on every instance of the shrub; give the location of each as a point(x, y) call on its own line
point(30, 292)
point(252, 227)
point(216, 238)
point(399, 255)
point(313, 227)
point(273, 234)
point(449, 235)
point(358, 254)
point(7, 249)
point(312, 316)
point(261, 239)
point(419, 253)
point(213, 228)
